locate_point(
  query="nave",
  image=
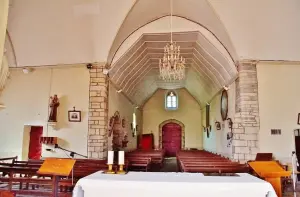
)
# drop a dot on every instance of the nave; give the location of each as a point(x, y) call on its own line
point(133, 97)
point(22, 178)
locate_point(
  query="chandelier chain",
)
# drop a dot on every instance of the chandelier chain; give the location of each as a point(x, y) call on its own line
point(171, 18)
point(172, 65)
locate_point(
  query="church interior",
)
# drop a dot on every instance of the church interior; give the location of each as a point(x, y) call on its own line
point(194, 97)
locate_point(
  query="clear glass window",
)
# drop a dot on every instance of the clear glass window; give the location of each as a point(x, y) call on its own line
point(171, 100)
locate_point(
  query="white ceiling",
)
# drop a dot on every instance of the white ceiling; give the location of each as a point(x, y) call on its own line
point(208, 69)
point(81, 31)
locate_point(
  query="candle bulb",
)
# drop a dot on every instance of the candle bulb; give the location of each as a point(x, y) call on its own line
point(121, 158)
point(110, 158)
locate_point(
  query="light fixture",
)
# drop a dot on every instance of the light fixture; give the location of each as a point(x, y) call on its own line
point(105, 71)
point(27, 70)
point(172, 65)
point(226, 88)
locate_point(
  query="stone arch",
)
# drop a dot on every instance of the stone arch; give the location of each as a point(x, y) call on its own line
point(182, 131)
point(198, 12)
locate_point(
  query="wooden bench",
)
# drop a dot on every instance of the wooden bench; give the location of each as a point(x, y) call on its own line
point(140, 162)
point(8, 159)
point(206, 162)
point(18, 173)
point(157, 156)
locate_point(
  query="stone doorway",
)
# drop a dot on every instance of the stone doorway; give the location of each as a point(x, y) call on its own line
point(182, 144)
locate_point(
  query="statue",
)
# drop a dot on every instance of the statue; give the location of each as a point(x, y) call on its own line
point(53, 108)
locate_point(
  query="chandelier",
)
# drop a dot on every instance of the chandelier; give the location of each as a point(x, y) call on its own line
point(172, 65)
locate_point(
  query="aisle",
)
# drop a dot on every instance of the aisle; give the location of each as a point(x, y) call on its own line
point(170, 165)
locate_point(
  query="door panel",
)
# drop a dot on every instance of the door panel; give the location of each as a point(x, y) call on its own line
point(297, 144)
point(171, 138)
point(35, 146)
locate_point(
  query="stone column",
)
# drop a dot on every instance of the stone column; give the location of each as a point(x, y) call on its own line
point(98, 113)
point(246, 120)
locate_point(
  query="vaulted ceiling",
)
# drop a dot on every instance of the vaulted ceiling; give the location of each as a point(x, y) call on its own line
point(137, 71)
point(129, 36)
point(82, 31)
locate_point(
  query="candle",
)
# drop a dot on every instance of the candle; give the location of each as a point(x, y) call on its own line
point(110, 157)
point(121, 158)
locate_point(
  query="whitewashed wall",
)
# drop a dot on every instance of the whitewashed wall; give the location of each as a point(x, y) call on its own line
point(26, 97)
point(279, 93)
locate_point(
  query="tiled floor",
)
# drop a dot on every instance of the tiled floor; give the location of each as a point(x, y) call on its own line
point(289, 191)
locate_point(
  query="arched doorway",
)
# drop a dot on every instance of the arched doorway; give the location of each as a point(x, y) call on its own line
point(171, 137)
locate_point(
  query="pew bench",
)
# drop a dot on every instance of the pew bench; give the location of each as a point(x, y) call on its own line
point(157, 156)
point(16, 174)
point(8, 159)
point(139, 162)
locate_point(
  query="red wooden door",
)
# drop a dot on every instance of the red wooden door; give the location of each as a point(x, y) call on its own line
point(171, 138)
point(35, 145)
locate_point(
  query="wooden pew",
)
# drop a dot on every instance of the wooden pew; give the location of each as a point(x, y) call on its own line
point(25, 172)
point(157, 156)
point(8, 159)
point(140, 162)
point(206, 162)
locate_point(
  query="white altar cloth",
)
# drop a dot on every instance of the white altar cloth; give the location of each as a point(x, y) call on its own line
point(160, 184)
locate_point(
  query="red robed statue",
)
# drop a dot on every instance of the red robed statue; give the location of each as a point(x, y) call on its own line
point(53, 108)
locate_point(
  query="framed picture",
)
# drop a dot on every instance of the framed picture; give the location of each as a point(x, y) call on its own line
point(74, 116)
point(298, 118)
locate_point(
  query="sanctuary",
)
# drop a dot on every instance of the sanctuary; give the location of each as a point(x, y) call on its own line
point(149, 98)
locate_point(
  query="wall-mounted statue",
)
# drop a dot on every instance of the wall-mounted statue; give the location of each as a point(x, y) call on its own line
point(117, 129)
point(54, 103)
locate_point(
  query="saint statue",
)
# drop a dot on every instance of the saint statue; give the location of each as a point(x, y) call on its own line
point(54, 103)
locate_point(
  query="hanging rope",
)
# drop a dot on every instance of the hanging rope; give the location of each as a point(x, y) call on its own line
point(4, 72)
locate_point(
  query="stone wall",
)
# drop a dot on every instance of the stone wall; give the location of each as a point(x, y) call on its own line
point(246, 120)
point(98, 113)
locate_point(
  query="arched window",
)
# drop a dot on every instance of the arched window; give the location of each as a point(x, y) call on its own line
point(171, 101)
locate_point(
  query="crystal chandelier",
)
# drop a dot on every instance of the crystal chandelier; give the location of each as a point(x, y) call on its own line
point(172, 65)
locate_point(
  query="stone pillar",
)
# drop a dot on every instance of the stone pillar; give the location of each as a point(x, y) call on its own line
point(98, 113)
point(246, 119)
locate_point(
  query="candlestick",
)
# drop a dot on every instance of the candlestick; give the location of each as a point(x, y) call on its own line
point(110, 158)
point(121, 158)
point(121, 170)
point(110, 169)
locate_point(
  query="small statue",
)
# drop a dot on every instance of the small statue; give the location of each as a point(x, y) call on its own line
point(53, 108)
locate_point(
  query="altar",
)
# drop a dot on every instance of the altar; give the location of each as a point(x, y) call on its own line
point(161, 184)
